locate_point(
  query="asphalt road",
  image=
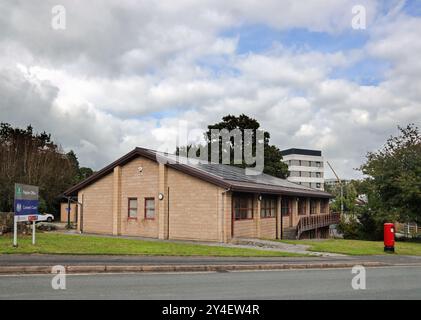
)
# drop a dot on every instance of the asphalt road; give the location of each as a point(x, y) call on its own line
point(381, 283)
point(47, 259)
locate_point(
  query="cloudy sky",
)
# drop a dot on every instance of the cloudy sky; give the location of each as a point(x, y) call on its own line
point(128, 73)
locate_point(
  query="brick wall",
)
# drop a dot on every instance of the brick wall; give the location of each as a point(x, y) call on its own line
point(194, 208)
point(97, 206)
point(63, 212)
point(268, 228)
point(140, 185)
point(245, 228)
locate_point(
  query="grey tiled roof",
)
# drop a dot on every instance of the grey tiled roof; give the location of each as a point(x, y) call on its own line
point(238, 177)
point(225, 176)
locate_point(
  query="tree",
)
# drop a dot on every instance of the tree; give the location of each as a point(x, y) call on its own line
point(350, 194)
point(395, 176)
point(31, 158)
point(81, 172)
point(273, 164)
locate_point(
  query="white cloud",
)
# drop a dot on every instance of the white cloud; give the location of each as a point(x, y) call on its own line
point(126, 73)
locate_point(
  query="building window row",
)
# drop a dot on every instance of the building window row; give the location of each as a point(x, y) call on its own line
point(243, 207)
point(305, 163)
point(306, 174)
point(149, 208)
point(317, 185)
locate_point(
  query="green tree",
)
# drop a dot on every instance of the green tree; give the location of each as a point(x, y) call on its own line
point(273, 164)
point(395, 176)
point(350, 195)
point(32, 158)
point(81, 172)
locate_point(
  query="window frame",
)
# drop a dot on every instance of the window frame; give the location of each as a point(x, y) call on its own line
point(130, 208)
point(272, 209)
point(313, 206)
point(304, 201)
point(324, 206)
point(241, 209)
point(145, 208)
point(288, 208)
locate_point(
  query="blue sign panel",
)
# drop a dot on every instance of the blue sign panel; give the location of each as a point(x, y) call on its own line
point(26, 200)
point(26, 207)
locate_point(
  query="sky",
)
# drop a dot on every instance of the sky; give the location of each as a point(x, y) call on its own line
point(128, 73)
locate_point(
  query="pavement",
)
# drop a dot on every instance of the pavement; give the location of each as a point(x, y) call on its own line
point(270, 245)
point(42, 263)
point(38, 263)
point(398, 282)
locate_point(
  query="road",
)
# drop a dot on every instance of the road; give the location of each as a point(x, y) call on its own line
point(50, 259)
point(399, 282)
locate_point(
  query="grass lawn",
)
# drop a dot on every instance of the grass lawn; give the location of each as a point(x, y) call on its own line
point(53, 243)
point(358, 247)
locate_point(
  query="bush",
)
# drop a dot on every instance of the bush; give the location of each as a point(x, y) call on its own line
point(46, 227)
point(6, 224)
point(350, 227)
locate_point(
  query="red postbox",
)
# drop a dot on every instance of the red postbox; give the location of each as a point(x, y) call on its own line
point(389, 237)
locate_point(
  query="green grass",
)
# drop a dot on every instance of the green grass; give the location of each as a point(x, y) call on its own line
point(54, 243)
point(358, 247)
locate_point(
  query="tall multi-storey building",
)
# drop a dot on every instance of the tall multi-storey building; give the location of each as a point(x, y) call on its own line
point(305, 167)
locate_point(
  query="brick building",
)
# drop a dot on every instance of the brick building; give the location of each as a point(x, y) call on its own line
point(145, 193)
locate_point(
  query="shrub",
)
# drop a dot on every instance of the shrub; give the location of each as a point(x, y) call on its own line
point(350, 227)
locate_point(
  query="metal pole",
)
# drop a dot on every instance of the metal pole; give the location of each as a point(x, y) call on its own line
point(342, 187)
point(342, 197)
point(68, 213)
point(15, 232)
point(33, 232)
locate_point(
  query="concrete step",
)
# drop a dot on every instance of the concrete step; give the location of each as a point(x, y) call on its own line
point(289, 233)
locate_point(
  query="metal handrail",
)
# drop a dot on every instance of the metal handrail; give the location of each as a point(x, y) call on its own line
point(317, 221)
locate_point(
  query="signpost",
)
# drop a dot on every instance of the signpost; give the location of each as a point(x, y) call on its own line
point(26, 208)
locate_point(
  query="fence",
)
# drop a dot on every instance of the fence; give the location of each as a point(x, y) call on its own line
point(409, 230)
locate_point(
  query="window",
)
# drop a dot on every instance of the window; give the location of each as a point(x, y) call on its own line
point(318, 185)
point(243, 207)
point(132, 212)
point(149, 208)
point(268, 207)
point(318, 164)
point(318, 174)
point(294, 173)
point(302, 206)
point(305, 163)
point(313, 206)
point(294, 162)
point(324, 206)
point(305, 174)
point(286, 206)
